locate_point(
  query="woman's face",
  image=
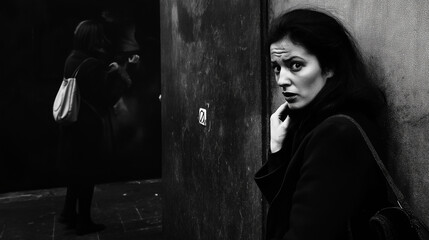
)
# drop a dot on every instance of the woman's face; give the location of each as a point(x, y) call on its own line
point(298, 73)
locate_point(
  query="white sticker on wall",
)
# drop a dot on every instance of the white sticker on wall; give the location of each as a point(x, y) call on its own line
point(202, 116)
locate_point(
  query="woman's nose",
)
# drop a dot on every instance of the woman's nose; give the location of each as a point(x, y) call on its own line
point(284, 78)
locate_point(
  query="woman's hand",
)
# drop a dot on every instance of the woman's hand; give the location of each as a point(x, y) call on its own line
point(113, 67)
point(121, 70)
point(134, 59)
point(278, 128)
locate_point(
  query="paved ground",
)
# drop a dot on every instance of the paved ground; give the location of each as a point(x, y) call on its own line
point(130, 210)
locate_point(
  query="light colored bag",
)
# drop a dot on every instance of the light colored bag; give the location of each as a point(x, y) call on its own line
point(67, 101)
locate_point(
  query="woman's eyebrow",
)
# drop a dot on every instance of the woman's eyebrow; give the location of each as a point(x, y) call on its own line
point(286, 59)
point(291, 58)
point(281, 57)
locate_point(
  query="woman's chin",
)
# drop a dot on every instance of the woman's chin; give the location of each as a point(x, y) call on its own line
point(293, 106)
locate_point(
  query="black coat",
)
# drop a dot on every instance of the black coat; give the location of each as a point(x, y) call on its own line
point(87, 146)
point(324, 182)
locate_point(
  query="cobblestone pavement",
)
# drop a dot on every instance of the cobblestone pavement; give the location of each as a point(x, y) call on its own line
point(130, 210)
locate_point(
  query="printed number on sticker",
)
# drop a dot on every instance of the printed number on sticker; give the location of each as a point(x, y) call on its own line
point(202, 116)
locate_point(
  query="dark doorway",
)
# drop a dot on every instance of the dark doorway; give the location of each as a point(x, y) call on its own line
point(36, 39)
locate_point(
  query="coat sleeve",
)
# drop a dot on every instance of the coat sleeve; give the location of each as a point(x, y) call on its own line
point(332, 182)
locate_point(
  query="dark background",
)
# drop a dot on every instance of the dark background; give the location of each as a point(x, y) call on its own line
point(35, 41)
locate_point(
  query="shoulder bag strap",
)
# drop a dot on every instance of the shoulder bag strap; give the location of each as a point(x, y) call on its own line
point(398, 194)
point(78, 67)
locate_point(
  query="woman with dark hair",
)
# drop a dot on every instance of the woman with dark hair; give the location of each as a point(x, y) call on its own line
point(321, 181)
point(87, 145)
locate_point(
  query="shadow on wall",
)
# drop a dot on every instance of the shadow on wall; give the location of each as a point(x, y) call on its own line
point(37, 37)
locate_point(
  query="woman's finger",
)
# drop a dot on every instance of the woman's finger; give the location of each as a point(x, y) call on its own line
point(280, 109)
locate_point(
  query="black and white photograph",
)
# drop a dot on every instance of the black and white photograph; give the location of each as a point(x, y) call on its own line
point(214, 120)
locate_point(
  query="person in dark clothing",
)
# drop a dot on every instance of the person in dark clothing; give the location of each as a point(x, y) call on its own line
point(321, 181)
point(88, 143)
point(120, 27)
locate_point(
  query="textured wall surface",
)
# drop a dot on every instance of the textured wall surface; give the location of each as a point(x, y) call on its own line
point(211, 58)
point(394, 36)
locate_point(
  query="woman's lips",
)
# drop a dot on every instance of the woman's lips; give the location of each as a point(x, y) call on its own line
point(289, 96)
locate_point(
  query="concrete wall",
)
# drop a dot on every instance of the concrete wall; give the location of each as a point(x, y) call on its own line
point(394, 36)
point(211, 58)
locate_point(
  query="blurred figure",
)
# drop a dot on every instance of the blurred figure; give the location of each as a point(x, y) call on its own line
point(87, 145)
point(136, 113)
point(121, 29)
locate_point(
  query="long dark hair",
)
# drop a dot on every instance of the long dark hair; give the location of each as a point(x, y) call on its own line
point(324, 36)
point(89, 37)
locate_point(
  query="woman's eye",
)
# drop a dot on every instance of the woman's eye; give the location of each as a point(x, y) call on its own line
point(276, 69)
point(296, 66)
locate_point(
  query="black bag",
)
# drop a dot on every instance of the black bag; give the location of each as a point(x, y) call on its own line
point(396, 222)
